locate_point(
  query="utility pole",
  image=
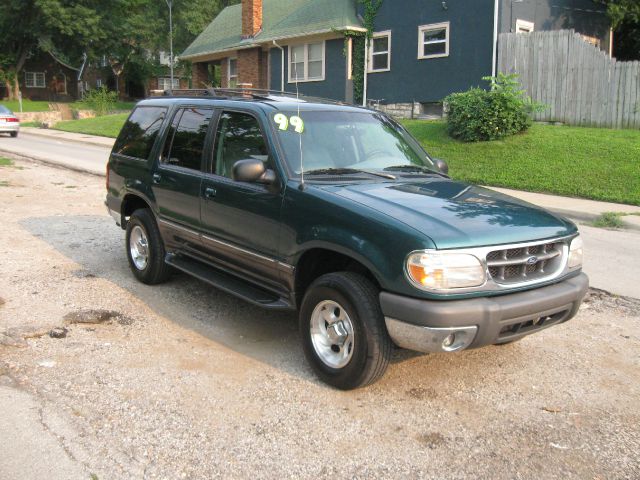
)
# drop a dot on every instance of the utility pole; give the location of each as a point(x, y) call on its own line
point(169, 4)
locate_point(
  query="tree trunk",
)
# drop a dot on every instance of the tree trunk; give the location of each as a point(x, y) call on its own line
point(16, 89)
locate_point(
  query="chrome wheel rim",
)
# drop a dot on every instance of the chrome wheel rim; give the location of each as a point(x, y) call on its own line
point(332, 334)
point(139, 247)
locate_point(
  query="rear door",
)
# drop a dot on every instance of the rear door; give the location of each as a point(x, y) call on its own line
point(178, 178)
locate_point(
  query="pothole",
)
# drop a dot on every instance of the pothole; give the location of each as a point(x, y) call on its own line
point(601, 301)
point(94, 317)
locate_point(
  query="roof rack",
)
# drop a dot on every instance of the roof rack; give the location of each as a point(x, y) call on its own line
point(248, 93)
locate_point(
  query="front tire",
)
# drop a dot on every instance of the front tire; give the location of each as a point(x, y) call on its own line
point(145, 248)
point(344, 336)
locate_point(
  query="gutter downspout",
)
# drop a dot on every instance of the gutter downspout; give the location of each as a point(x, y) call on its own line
point(366, 70)
point(281, 65)
point(494, 65)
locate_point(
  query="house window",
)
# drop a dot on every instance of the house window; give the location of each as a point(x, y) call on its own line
point(380, 52)
point(232, 77)
point(164, 83)
point(433, 40)
point(306, 62)
point(98, 82)
point(34, 80)
point(523, 26)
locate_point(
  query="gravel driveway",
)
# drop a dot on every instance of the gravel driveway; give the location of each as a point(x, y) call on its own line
point(183, 381)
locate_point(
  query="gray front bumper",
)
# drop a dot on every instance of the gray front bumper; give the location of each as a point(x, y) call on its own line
point(423, 325)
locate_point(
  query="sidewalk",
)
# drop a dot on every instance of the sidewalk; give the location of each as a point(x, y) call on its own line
point(70, 137)
point(574, 208)
point(577, 208)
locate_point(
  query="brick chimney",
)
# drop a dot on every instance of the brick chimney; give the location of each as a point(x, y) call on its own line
point(251, 18)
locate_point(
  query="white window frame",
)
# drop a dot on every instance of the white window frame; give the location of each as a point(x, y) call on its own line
point(167, 81)
point(229, 76)
point(306, 78)
point(31, 80)
point(524, 26)
point(422, 43)
point(386, 33)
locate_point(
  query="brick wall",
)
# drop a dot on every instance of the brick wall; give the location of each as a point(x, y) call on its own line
point(251, 17)
point(224, 73)
point(200, 75)
point(252, 67)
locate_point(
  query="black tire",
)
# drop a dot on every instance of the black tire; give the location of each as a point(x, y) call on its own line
point(372, 345)
point(14, 134)
point(156, 270)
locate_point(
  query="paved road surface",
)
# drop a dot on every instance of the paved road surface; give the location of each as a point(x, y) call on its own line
point(89, 158)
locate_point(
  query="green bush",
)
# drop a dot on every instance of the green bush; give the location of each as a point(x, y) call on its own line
point(100, 100)
point(481, 115)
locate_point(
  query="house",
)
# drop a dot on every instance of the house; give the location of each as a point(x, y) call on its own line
point(46, 76)
point(421, 50)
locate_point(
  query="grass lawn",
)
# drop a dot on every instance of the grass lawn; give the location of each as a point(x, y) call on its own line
point(105, 126)
point(596, 163)
point(5, 162)
point(27, 106)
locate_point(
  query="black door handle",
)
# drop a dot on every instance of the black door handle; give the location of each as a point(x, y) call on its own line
point(210, 192)
point(157, 178)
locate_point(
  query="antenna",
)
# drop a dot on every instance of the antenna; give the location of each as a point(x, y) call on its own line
point(295, 62)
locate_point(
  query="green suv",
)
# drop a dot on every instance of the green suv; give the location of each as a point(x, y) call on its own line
point(336, 212)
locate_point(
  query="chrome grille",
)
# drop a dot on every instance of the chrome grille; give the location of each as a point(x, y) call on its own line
point(534, 262)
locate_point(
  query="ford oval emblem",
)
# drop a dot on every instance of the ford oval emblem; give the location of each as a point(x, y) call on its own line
point(532, 260)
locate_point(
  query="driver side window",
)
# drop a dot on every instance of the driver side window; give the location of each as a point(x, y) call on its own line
point(238, 138)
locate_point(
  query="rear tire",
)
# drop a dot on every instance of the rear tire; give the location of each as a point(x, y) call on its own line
point(14, 134)
point(344, 336)
point(145, 248)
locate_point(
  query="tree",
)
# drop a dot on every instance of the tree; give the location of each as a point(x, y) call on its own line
point(625, 21)
point(27, 24)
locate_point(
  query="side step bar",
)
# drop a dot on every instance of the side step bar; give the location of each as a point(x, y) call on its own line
point(228, 283)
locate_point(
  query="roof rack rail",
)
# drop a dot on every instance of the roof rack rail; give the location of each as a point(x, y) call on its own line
point(248, 93)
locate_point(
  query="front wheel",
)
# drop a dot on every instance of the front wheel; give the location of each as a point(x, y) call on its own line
point(344, 336)
point(145, 248)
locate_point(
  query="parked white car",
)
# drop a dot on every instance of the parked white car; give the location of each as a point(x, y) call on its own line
point(9, 123)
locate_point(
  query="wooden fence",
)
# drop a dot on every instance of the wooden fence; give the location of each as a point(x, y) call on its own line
point(579, 83)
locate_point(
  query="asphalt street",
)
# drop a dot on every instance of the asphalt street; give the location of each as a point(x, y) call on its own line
point(76, 156)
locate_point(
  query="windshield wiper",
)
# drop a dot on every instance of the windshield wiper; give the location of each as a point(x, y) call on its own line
point(411, 168)
point(349, 171)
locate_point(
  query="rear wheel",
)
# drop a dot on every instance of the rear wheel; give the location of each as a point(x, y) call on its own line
point(343, 332)
point(14, 134)
point(145, 249)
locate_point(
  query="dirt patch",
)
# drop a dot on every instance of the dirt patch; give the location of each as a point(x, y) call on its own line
point(601, 301)
point(432, 440)
point(95, 317)
point(420, 393)
point(2, 302)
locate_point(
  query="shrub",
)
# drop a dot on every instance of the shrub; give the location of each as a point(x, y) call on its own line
point(100, 100)
point(481, 115)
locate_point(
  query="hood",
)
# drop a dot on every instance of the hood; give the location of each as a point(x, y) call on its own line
point(458, 215)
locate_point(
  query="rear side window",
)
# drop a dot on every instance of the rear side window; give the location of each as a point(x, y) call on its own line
point(140, 132)
point(185, 141)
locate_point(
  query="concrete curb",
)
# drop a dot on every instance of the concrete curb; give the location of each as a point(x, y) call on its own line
point(50, 163)
point(70, 137)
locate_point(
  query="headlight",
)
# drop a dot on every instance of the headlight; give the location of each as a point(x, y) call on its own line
point(444, 271)
point(575, 253)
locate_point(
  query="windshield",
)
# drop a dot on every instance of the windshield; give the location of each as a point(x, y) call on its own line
point(346, 141)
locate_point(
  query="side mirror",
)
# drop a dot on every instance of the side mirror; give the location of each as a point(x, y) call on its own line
point(441, 165)
point(252, 171)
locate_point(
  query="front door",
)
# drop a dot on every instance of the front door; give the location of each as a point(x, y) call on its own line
point(240, 221)
point(177, 181)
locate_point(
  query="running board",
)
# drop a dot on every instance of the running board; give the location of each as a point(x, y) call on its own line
point(228, 283)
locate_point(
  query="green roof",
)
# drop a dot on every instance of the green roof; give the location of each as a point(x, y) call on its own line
point(281, 19)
